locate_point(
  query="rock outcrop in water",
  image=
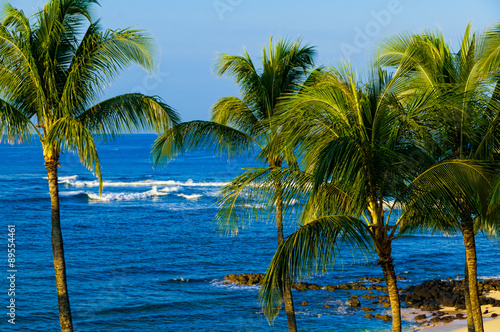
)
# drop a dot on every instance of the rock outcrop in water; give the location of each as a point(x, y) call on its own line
point(432, 294)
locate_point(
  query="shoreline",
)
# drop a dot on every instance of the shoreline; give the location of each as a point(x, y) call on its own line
point(457, 325)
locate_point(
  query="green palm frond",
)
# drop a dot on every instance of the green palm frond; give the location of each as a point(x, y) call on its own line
point(490, 61)
point(71, 134)
point(252, 194)
point(312, 249)
point(128, 113)
point(233, 112)
point(207, 135)
point(446, 193)
point(98, 60)
point(14, 124)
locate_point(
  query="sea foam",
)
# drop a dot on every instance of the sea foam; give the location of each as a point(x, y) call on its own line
point(126, 196)
point(74, 182)
point(190, 197)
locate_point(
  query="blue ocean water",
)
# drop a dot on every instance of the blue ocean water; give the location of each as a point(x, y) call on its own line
point(146, 255)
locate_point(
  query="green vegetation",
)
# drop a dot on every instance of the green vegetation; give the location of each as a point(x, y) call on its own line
point(53, 70)
point(414, 146)
point(415, 150)
point(463, 127)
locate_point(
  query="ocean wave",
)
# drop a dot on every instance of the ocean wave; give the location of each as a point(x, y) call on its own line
point(292, 202)
point(190, 197)
point(170, 189)
point(126, 196)
point(233, 286)
point(73, 181)
point(71, 193)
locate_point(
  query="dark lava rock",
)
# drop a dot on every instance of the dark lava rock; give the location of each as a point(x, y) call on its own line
point(245, 279)
point(302, 286)
point(448, 293)
point(367, 309)
point(447, 319)
point(429, 306)
point(420, 317)
point(368, 316)
point(354, 302)
point(435, 320)
point(330, 287)
point(385, 318)
point(369, 297)
point(459, 316)
point(493, 315)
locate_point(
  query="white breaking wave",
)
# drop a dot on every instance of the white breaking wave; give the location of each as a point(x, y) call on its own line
point(72, 181)
point(126, 196)
point(72, 193)
point(292, 202)
point(64, 179)
point(170, 189)
point(190, 197)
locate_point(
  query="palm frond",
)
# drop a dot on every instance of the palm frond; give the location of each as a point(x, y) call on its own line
point(128, 113)
point(311, 249)
point(446, 193)
point(233, 112)
point(71, 134)
point(207, 135)
point(14, 123)
point(98, 60)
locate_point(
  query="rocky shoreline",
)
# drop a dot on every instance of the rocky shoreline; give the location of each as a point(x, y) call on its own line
point(430, 296)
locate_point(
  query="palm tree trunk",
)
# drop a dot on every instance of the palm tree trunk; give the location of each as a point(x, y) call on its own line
point(51, 163)
point(470, 319)
point(386, 262)
point(287, 292)
point(471, 266)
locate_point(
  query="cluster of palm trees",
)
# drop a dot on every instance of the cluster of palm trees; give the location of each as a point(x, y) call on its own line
point(413, 147)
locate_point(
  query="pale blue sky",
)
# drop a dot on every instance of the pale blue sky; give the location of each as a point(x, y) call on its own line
point(190, 33)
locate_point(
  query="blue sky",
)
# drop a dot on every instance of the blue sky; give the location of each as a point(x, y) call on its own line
point(190, 33)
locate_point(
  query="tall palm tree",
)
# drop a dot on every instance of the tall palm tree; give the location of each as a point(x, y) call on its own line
point(464, 126)
point(357, 146)
point(240, 124)
point(53, 70)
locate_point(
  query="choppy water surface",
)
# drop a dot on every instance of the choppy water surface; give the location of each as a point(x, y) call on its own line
point(145, 256)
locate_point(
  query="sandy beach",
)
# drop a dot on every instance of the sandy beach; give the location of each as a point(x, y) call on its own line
point(459, 325)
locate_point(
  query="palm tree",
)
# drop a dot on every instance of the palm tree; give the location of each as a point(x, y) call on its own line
point(239, 124)
point(53, 71)
point(464, 126)
point(356, 144)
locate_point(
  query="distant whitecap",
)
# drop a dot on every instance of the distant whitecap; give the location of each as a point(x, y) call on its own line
point(190, 197)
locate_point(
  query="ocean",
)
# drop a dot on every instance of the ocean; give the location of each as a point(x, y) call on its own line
point(146, 255)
